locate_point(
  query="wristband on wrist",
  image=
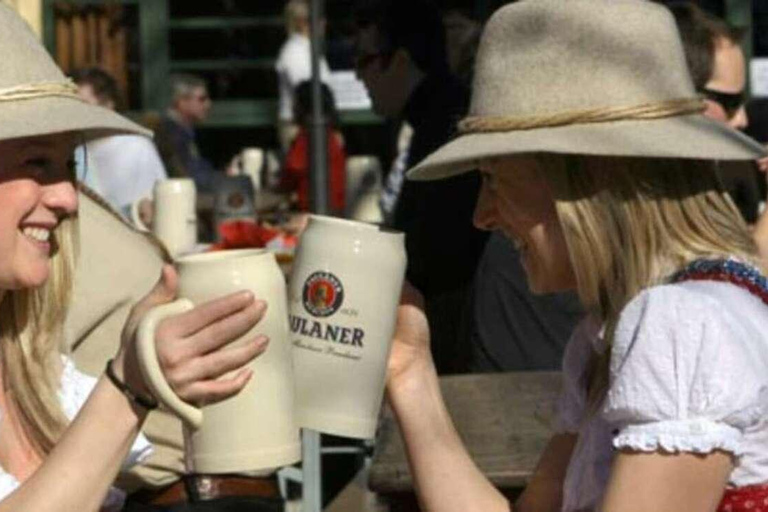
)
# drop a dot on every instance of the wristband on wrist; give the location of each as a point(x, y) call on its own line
point(147, 402)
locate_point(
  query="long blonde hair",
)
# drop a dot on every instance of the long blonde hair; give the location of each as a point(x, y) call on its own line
point(629, 223)
point(31, 333)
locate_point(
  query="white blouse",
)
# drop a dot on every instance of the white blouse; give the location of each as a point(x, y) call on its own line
point(688, 373)
point(74, 391)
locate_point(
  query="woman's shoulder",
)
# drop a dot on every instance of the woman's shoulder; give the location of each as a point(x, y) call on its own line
point(692, 302)
point(686, 319)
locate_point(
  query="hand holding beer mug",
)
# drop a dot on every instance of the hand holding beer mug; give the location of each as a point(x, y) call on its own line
point(343, 297)
point(255, 429)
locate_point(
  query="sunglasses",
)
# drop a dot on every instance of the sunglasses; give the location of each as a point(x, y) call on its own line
point(731, 102)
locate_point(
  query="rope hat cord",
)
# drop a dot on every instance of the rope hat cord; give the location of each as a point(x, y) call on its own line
point(62, 89)
point(671, 108)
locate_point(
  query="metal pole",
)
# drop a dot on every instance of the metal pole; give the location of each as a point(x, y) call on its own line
point(318, 179)
point(311, 468)
point(318, 196)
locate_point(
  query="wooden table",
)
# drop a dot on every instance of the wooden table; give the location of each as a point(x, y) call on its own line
point(504, 420)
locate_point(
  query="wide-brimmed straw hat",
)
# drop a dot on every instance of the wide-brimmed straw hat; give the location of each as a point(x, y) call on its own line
point(594, 77)
point(35, 96)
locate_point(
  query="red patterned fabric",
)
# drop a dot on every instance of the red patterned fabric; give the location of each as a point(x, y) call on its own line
point(753, 498)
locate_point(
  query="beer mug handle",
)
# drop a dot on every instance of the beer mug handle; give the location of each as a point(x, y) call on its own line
point(150, 366)
point(136, 217)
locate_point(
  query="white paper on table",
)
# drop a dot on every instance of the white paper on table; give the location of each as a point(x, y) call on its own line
point(758, 69)
point(349, 92)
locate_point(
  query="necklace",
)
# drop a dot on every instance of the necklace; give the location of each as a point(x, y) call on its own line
point(727, 270)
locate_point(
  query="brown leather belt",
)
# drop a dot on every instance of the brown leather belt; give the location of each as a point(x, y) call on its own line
point(194, 488)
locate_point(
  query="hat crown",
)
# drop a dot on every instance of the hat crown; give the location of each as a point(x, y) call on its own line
point(24, 59)
point(551, 56)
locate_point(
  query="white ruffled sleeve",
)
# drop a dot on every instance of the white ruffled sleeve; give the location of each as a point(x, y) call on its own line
point(683, 375)
point(572, 403)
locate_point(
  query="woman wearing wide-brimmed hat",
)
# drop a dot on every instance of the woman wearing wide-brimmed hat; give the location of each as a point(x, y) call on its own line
point(48, 463)
point(598, 163)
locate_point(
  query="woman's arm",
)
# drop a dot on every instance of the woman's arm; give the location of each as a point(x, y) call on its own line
point(544, 492)
point(77, 474)
point(445, 477)
point(666, 482)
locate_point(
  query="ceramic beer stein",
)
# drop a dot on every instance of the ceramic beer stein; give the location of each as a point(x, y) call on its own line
point(175, 217)
point(343, 296)
point(256, 428)
point(251, 163)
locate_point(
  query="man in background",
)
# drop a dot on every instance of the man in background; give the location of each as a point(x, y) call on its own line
point(123, 169)
point(176, 138)
point(401, 59)
point(718, 69)
point(717, 66)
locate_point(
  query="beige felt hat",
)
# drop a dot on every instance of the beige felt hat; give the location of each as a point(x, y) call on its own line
point(35, 96)
point(595, 77)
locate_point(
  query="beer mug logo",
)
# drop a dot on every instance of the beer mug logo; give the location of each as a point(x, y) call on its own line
point(323, 294)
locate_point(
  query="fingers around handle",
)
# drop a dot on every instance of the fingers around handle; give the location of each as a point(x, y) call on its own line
point(150, 365)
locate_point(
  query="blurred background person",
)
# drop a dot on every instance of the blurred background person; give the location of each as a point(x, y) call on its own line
point(176, 138)
point(122, 168)
point(718, 69)
point(717, 66)
point(294, 66)
point(295, 176)
point(401, 59)
point(462, 34)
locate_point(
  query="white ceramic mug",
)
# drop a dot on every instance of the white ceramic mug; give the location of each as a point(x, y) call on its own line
point(343, 295)
point(251, 164)
point(255, 429)
point(175, 217)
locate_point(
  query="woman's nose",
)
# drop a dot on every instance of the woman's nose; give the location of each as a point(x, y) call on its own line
point(61, 197)
point(485, 210)
point(740, 120)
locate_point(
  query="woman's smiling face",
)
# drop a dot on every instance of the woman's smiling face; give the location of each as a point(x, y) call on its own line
point(516, 199)
point(37, 191)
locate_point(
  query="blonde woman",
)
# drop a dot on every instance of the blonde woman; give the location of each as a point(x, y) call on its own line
point(63, 438)
point(597, 162)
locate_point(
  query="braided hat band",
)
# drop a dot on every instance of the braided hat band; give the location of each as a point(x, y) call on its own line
point(61, 89)
point(671, 108)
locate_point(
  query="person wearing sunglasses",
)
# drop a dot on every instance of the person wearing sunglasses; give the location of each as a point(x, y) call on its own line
point(731, 104)
point(715, 61)
point(718, 69)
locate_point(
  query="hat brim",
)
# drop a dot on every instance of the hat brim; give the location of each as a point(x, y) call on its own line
point(50, 115)
point(690, 137)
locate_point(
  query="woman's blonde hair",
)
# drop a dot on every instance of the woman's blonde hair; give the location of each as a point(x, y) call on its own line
point(31, 325)
point(630, 223)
